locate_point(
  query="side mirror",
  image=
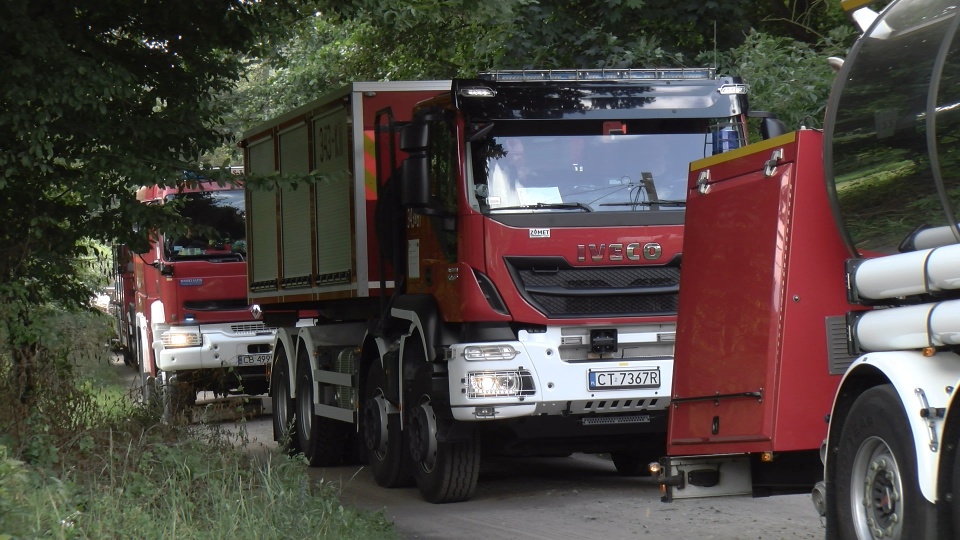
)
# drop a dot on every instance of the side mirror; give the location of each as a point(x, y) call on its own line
point(414, 137)
point(165, 269)
point(415, 171)
point(415, 181)
point(770, 125)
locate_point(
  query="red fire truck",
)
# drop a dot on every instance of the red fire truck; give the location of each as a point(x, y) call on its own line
point(819, 321)
point(484, 263)
point(182, 310)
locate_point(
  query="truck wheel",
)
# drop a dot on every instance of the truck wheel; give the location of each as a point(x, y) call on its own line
point(176, 396)
point(131, 349)
point(446, 472)
point(148, 384)
point(284, 417)
point(955, 492)
point(320, 439)
point(148, 389)
point(383, 440)
point(877, 491)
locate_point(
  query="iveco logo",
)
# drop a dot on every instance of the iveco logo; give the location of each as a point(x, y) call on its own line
point(650, 251)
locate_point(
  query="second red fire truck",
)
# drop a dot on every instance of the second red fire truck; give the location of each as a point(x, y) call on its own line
point(182, 310)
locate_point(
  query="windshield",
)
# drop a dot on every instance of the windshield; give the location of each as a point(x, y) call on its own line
point(215, 226)
point(609, 169)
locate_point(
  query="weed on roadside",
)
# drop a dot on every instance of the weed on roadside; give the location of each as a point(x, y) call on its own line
point(85, 461)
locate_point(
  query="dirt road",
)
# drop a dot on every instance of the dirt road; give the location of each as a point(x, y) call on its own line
point(576, 497)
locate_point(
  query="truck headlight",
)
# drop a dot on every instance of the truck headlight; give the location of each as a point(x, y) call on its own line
point(176, 340)
point(480, 384)
point(489, 352)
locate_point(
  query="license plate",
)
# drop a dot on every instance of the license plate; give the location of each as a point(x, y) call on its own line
point(617, 379)
point(253, 359)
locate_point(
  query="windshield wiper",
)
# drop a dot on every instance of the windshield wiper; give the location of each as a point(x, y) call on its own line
point(659, 202)
point(547, 206)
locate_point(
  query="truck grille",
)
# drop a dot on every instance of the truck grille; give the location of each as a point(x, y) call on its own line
point(559, 290)
point(234, 304)
point(249, 328)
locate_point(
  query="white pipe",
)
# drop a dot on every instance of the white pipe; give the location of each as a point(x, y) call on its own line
point(909, 327)
point(935, 237)
point(906, 274)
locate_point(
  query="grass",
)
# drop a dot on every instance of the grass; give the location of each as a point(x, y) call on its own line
point(84, 461)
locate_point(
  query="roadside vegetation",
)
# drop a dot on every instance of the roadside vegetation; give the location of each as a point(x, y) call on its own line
point(84, 460)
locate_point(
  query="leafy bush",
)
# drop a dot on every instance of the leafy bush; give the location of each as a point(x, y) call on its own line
point(788, 77)
point(84, 461)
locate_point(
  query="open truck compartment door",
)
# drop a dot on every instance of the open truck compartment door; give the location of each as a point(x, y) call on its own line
point(759, 348)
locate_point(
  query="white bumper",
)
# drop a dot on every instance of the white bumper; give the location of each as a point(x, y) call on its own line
point(554, 370)
point(221, 346)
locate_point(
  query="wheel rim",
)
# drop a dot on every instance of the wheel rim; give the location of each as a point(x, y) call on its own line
point(375, 433)
point(423, 437)
point(876, 491)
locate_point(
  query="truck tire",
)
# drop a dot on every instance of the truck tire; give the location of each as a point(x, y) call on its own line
point(148, 383)
point(177, 396)
point(383, 440)
point(877, 493)
point(446, 472)
point(955, 492)
point(321, 439)
point(284, 415)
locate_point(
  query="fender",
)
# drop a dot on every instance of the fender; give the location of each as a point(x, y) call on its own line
point(157, 316)
point(375, 349)
point(423, 315)
point(286, 338)
point(142, 328)
point(908, 372)
point(145, 325)
point(333, 336)
point(421, 311)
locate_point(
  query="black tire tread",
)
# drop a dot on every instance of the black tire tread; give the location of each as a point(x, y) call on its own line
point(324, 445)
point(454, 478)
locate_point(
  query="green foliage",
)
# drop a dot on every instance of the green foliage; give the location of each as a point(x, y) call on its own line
point(85, 462)
point(787, 77)
point(97, 99)
point(779, 48)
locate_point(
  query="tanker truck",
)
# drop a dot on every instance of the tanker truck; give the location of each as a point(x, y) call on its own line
point(486, 264)
point(820, 350)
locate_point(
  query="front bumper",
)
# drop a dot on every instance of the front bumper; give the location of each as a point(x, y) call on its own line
point(222, 346)
point(552, 370)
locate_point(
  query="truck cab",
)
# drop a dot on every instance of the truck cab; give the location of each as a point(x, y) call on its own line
point(191, 329)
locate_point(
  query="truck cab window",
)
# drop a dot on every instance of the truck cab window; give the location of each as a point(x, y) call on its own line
point(576, 165)
point(216, 226)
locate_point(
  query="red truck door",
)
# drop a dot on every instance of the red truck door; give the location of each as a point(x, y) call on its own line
point(759, 298)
